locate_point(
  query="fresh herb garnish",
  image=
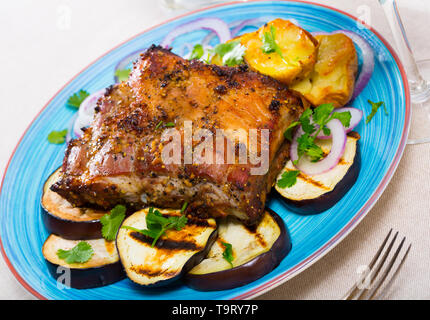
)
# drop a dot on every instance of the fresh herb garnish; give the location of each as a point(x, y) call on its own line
point(81, 253)
point(111, 222)
point(197, 52)
point(228, 253)
point(375, 107)
point(184, 207)
point(312, 123)
point(57, 137)
point(76, 99)
point(122, 74)
point(231, 53)
point(157, 225)
point(288, 134)
point(288, 179)
point(269, 42)
point(167, 124)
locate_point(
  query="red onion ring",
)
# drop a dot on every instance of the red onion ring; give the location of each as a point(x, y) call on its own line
point(356, 116)
point(368, 63)
point(331, 160)
point(86, 112)
point(214, 24)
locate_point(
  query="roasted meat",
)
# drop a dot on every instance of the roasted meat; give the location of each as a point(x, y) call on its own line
point(119, 158)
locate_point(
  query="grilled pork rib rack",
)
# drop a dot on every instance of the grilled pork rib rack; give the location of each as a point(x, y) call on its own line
point(118, 160)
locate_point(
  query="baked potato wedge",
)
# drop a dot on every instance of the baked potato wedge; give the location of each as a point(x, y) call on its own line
point(333, 78)
point(298, 48)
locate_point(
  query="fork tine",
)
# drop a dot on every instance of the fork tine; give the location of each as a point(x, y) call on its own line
point(396, 272)
point(351, 292)
point(375, 273)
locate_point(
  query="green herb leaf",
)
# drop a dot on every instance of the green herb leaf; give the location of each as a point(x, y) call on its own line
point(76, 99)
point(305, 120)
point(158, 125)
point(288, 134)
point(231, 53)
point(122, 74)
point(184, 207)
point(169, 124)
point(228, 253)
point(57, 137)
point(288, 179)
point(269, 42)
point(111, 222)
point(197, 52)
point(157, 225)
point(81, 253)
point(344, 117)
point(375, 107)
point(306, 146)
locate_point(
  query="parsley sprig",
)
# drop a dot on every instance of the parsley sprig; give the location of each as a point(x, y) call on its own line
point(197, 52)
point(312, 123)
point(288, 179)
point(81, 253)
point(157, 225)
point(375, 107)
point(112, 221)
point(57, 137)
point(231, 53)
point(228, 253)
point(122, 74)
point(77, 98)
point(269, 42)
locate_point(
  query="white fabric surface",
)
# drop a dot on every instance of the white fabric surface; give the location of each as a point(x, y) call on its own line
point(45, 43)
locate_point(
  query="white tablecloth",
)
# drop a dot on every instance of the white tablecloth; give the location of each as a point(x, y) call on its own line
point(45, 43)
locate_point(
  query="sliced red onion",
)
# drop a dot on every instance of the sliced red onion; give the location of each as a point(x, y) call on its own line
point(214, 24)
point(368, 63)
point(86, 112)
point(331, 160)
point(356, 116)
point(124, 63)
point(69, 135)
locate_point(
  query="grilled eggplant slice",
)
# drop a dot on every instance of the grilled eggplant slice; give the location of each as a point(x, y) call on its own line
point(173, 255)
point(102, 269)
point(62, 218)
point(256, 252)
point(317, 193)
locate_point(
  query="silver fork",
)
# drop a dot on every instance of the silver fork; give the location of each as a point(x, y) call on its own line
point(379, 276)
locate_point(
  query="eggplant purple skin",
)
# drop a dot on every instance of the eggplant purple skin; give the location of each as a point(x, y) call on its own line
point(248, 272)
point(90, 277)
point(71, 230)
point(329, 199)
point(191, 263)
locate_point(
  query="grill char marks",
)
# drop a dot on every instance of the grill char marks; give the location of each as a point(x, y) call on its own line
point(118, 159)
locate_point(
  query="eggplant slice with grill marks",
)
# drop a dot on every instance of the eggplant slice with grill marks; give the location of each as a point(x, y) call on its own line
point(256, 252)
point(173, 255)
point(62, 218)
point(317, 193)
point(103, 268)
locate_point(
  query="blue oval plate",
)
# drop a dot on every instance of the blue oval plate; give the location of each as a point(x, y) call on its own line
point(382, 143)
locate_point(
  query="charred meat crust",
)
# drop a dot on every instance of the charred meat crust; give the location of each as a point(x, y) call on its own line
point(118, 159)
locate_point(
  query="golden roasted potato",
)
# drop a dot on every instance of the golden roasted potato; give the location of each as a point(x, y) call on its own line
point(297, 47)
point(333, 78)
